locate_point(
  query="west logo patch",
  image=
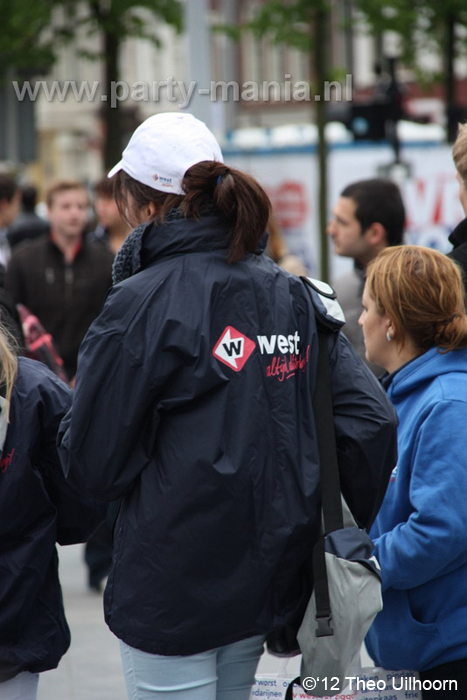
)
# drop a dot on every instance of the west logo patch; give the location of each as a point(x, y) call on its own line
point(233, 348)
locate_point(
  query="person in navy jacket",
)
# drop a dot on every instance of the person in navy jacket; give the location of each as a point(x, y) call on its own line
point(415, 326)
point(193, 405)
point(38, 508)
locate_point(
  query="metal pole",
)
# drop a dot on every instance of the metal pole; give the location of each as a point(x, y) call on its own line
point(11, 119)
point(199, 59)
point(230, 63)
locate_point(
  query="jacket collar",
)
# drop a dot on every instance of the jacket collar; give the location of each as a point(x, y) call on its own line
point(181, 236)
point(53, 246)
point(177, 235)
point(459, 234)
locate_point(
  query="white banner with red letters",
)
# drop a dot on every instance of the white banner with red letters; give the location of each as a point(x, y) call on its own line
point(430, 192)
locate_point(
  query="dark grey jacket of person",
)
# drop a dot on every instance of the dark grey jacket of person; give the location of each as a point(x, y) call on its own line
point(193, 403)
point(349, 290)
point(38, 508)
point(66, 297)
point(458, 238)
point(26, 227)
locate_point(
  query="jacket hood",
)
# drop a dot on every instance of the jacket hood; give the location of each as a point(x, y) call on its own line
point(177, 235)
point(181, 235)
point(429, 366)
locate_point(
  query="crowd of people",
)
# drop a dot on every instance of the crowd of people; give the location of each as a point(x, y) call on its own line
point(185, 431)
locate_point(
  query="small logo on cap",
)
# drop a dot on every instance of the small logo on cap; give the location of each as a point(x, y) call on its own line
point(164, 181)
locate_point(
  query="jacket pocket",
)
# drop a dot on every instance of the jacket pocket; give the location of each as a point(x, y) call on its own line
point(397, 640)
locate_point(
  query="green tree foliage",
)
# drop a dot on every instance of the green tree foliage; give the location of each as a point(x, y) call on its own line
point(115, 21)
point(32, 33)
point(302, 24)
point(23, 44)
point(423, 25)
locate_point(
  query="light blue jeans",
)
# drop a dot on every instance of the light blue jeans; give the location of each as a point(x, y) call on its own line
point(226, 673)
point(21, 687)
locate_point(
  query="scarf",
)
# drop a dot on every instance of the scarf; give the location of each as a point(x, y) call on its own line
point(123, 266)
point(127, 262)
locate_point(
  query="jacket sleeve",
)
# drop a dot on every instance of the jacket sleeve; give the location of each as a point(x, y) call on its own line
point(106, 440)
point(13, 281)
point(366, 431)
point(432, 541)
point(76, 516)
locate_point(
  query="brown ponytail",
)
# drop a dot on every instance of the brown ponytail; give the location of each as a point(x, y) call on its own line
point(451, 333)
point(236, 195)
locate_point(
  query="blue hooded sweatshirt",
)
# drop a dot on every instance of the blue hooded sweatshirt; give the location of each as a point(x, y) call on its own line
point(420, 532)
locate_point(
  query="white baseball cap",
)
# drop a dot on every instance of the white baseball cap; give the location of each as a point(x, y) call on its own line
point(163, 148)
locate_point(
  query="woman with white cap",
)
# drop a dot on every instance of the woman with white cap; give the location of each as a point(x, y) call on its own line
point(193, 405)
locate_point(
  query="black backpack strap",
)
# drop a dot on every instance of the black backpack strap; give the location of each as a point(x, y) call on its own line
point(320, 583)
point(330, 481)
point(330, 484)
point(324, 421)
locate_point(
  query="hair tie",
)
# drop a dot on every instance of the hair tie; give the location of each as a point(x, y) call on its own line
point(219, 177)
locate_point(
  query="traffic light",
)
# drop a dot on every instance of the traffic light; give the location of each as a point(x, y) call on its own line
point(367, 121)
point(376, 120)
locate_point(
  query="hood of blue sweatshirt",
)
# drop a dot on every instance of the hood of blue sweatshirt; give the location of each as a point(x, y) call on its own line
point(419, 532)
point(431, 366)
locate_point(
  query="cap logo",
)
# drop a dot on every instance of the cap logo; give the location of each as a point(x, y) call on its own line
point(164, 181)
point(233, 348)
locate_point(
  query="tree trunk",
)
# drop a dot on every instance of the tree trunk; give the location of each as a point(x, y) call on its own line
point(450, 53)
point(112, 147)
point(319, 69)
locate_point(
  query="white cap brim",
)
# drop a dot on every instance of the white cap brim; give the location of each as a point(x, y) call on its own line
point(115, 169)
point(164, 147)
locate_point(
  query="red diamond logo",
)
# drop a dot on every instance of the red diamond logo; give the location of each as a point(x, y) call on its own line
point(233, 348)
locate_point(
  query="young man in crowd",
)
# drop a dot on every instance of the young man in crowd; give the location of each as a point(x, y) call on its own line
point(111, 230)
point(368, 216)
point(27, 224)
point(9, 209)
point(458, 237)
point(62, 278)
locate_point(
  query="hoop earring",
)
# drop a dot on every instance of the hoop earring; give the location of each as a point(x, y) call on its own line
point(389, 336)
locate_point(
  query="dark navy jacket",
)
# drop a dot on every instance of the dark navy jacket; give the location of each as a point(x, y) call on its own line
point(193, 402)
point(38, 508)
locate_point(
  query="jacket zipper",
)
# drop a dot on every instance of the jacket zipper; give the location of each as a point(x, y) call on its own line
point(69, 276)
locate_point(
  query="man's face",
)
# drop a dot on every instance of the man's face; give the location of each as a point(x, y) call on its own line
point(462, 192)
point(9, 210)
point(107, 212)
point(346, 232)
point(68, 213)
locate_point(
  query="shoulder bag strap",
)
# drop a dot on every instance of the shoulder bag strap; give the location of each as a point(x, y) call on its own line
point(324, 421)
point(330, 482)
